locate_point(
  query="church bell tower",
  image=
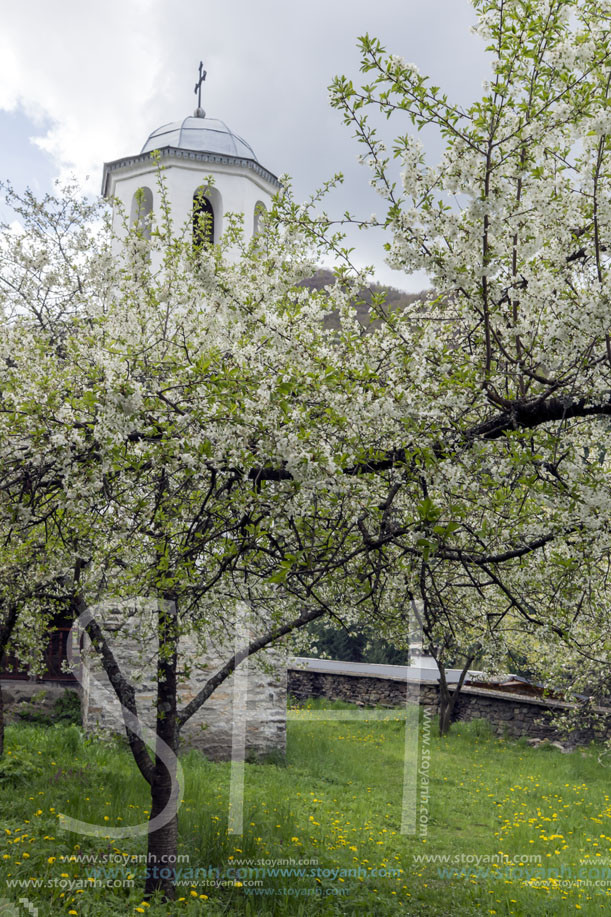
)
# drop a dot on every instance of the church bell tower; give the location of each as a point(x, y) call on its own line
point(208, 170)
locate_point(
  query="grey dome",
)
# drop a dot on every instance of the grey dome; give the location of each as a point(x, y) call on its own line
point(204, 135)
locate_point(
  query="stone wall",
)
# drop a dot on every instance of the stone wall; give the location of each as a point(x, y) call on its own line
point(514, 714)
point(261, 693)
point(23, 698)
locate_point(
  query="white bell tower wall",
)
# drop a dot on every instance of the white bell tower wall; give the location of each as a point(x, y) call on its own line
point(231, 184)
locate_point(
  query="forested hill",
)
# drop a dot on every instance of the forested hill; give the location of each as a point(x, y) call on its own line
point(394, 298)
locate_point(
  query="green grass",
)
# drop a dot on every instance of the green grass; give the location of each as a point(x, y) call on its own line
point(336, 799)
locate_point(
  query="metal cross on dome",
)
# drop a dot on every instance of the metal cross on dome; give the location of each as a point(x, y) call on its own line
point(198, 89)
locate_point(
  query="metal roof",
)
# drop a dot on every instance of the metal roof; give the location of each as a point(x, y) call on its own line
point(205, 135)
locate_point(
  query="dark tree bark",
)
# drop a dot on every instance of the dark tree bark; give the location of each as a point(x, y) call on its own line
point(5, 635)
point(448, 698)
point(163, 841)
point(1, 722)
point(124, 691)
point(162, 773)
point(518, 415)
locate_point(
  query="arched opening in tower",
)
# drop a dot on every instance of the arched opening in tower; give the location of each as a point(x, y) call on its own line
point(203, 220)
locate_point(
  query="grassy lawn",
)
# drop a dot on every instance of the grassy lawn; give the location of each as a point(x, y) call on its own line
point(337, 800)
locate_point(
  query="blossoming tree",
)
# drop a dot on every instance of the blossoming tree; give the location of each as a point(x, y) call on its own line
point(207, 440)
point(493, 394)
point(164, 414)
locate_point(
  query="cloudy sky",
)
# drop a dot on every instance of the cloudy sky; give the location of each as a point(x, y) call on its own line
point(83, 82)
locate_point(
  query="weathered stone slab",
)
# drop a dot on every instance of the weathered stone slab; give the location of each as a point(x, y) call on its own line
point(261, 692)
